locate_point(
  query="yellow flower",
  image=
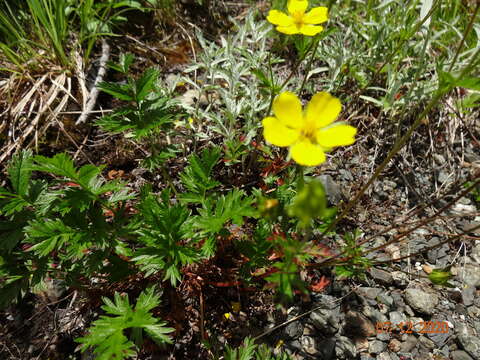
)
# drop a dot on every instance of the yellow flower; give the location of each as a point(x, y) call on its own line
point(297, 21)
point(309, 134)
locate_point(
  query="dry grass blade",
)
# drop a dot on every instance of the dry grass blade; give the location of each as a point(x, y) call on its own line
point(45, 104)
point(92, 97)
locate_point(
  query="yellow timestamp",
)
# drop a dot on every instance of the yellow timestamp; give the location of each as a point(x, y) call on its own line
point(408, 327)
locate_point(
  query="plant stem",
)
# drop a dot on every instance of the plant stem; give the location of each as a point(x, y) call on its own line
point(465, 34)
point(316, 41)
point(294, 70)
point(300, 178)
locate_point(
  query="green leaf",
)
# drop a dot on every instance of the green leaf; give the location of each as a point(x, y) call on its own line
point(49, 235)
point(119, 91)
point(19, 171)
point(196, 177)
point(145, 84)
point(123, 66)
point(449, 80)
point(107, 333)
point(216, 212)
point(61, 165)
point(441, 277)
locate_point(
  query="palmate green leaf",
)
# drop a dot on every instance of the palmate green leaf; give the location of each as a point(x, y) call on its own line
point(61, 165)
point(232, 207)
point(49, 235)
point(119, 91)
point(13, 205)
point(12, 232)
point(145, 84)
point(107, 333)
point(124, 63)
point(245, 352)
point(197, 175)
point(19, 171)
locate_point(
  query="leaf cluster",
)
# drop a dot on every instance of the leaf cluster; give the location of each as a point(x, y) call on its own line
point(108, 334)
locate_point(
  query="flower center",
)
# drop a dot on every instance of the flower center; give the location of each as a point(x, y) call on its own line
point(309, 132)
point(298, 18)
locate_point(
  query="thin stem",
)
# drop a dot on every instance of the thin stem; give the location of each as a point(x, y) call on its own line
point(465, 34)
point(309, 65)
point(294, 70)
point(396, 148)
point(300, 178)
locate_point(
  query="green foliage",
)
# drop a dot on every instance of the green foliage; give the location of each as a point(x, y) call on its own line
point(310, 203)
point(475, 192)
point(355, 264)
point(441, 277)
point(216, 212)
point(39, 30)
point(107, 333)
point(150, 110)
point(164, 230)
point(196, 177)
point(250, 351)
point(64, 223)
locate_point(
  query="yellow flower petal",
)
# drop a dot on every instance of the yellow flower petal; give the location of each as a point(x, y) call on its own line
point(279, 18)
point(307, 154)
point(276, 133)
point(336, 135)
point(289, 30)
point(310, 30)
point(317, 15)
point(297, 6)
point(288, 108)
point(323, 109)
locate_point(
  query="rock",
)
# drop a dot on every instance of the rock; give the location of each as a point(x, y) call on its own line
point(400, 279)
point(437, 337)
point(383, 336)
point(408, 344)
point(310, 345)
point(468, 295)
point(369, 292)
point(332, 189)
point(398, 302)
point(429, 344)
point(358, 324)
point(439, 159)
point(473, 228)
point(394, 345)
point(294, 330)
point(345, 348)
point(474, 312)
point(366, 357)
point(459, 355)
point(376, 316)
point(443, 177)
point(471, 344)
point(421, 301)
point(475, 254)
point(376, 347)
point(469, 274)
point(327, 349)
point(382, 276)
point(396, 317)
point(385, 299)
point(326, 320)
point(383, 356)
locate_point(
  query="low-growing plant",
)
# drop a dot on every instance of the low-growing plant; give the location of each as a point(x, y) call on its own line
point(107, 335)
point(150, 111)
point(63, 229)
